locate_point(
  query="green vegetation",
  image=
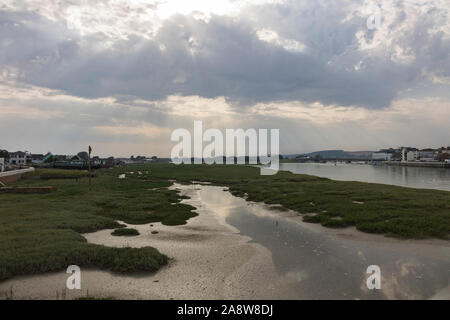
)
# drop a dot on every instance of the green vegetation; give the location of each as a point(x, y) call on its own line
point(125, 232)
point(40, 232)
point(47, 174)
point(375, 208)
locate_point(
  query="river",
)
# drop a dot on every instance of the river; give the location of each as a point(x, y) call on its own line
point(321, 263)
point(413, 177)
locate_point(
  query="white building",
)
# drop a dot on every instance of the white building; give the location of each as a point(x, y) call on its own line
point(427, 155)
point(404, 152)
point(412, 156)
point(381, 156)
point(18, 158)
point(2, 164)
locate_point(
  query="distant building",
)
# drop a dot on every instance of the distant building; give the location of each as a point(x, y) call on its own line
point(2, 164)
point(412, 156)
point(47, 157)
point(427, 155)
point(80, 156)
point(37, 158)
point(404, 155)
point(108, 162)
point(96, 161)
point(381, 156)
point(18, 158)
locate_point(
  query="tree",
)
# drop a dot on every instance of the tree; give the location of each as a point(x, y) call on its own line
point(443, 156)
point(4, 154)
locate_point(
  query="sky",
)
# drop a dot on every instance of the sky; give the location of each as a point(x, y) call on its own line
point(122, 75)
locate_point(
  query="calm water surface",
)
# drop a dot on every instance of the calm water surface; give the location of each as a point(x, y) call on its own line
point(414, 177)
point(319, 265)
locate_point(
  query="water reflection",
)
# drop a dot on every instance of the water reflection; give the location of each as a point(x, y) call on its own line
point(319, 266)
point(414, 177)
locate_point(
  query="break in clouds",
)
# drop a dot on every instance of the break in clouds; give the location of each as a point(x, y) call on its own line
point(253, 54)
point(308, 51)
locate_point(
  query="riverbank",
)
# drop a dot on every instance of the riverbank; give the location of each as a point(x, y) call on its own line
point(402, 176)
point(418, 164)
point(208, 259)
point(370, 207)
point(42, 233)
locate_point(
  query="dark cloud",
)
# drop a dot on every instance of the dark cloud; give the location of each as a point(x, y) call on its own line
point(225, 57)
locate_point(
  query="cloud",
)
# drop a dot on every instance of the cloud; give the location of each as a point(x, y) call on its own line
point(49, 120)
point(122, 74)
point(290, 51)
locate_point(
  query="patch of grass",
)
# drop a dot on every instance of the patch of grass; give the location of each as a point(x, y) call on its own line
point(47, 174)
point(125, 232)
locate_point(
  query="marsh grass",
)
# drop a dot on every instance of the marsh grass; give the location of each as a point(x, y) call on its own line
point(47, 174)
point(41, 232)
point(374, 208)
point(125, 232)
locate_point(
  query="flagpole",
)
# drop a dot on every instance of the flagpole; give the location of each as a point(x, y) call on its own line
point(89, 165)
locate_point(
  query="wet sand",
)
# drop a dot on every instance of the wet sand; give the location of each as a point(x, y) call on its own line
point(208, 260)
point(323, 263)
point(236, 249)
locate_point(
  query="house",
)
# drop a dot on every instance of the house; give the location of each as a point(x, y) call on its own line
point(412, 156)
point(108, 162)
point(80, 156)
point(404, 152)
point(37, 158)
point(2, 164)
point(47, 157)
point(18, 158)
point(427, 155)
point(96, 161)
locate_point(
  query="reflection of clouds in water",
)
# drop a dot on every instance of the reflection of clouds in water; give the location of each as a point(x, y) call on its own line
point(220, 200)
point(362, 256)
point(293, 277)
point(215, 199)
point(403, 272)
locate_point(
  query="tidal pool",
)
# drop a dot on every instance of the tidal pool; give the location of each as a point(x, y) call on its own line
point(321, 263)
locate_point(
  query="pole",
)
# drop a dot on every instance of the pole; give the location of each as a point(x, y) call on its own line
point(89, 165)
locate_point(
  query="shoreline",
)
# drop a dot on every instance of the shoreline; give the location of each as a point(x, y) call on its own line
point(407, 265)
point(369, 177)
point(347, 232)
point(208, 259)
